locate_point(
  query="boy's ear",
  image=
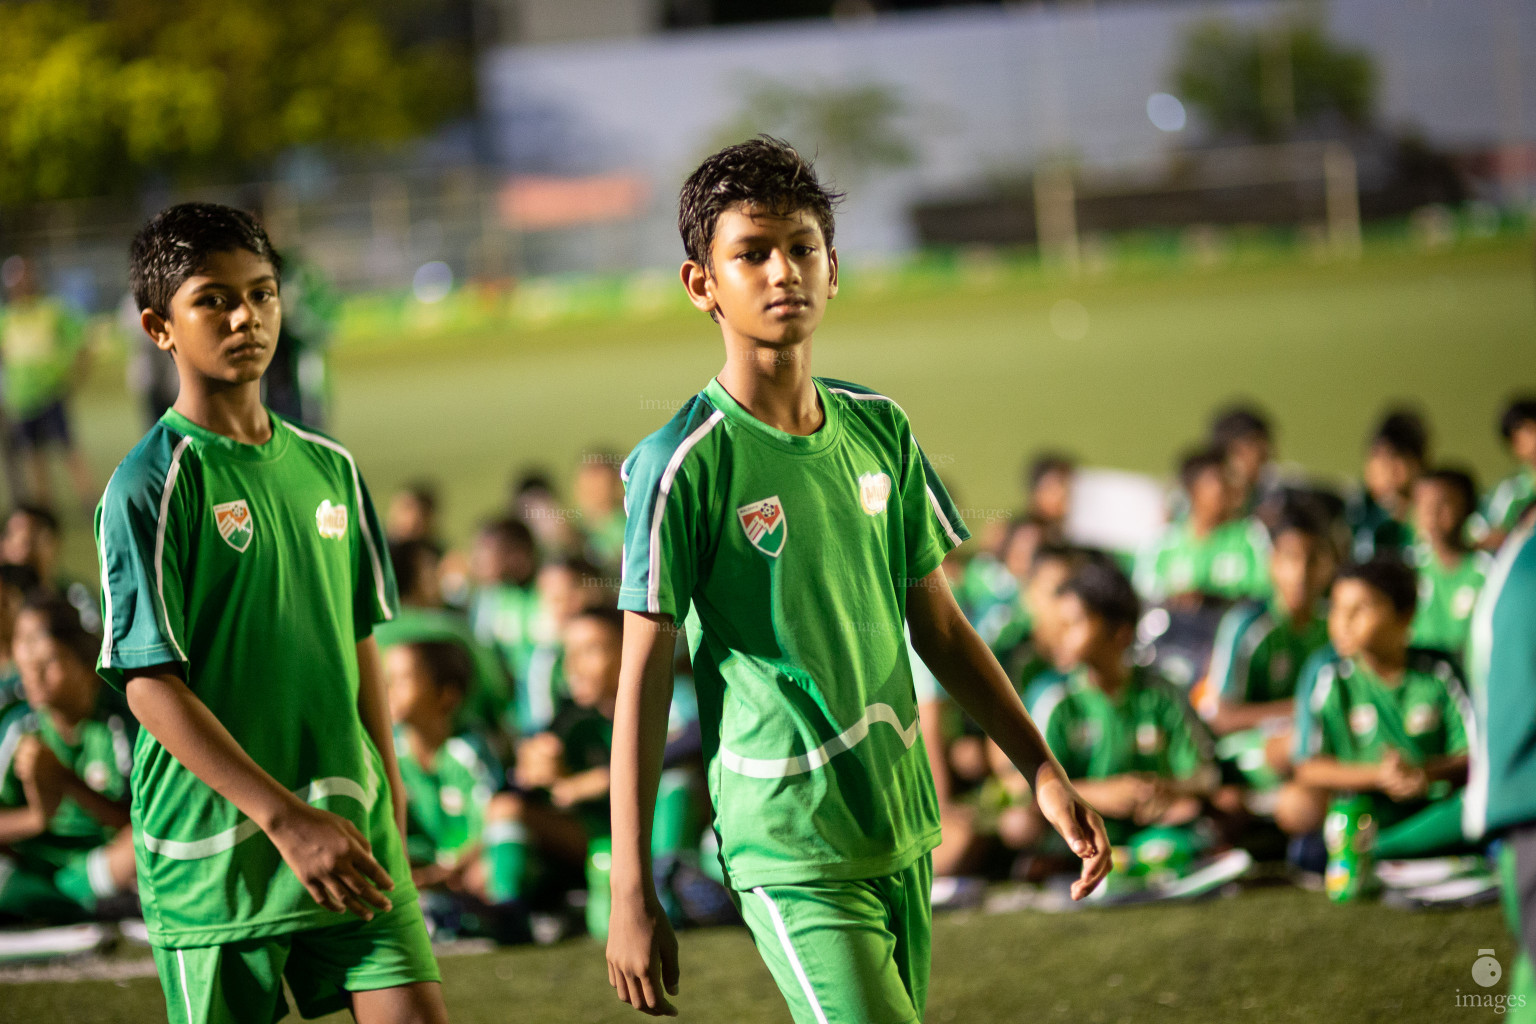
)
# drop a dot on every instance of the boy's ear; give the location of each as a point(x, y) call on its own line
point(832, 272)
point(696, 281)
point(158, 328)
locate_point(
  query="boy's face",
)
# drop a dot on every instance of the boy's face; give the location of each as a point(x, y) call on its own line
point(1299, 566)
point(50, 676)
point(1247, 456)
point(1362, 619)
point(1052, 496)
point(1019, 549)
point(413, 697)
point(592, 650)
point(408, 518)
point(598, 488)
point(1086, 638)
point(559, 592)
point(1389, 475)
point(1522, 442)
point(1210, 495)
point(495, 560)
point(28, 541)
point(770, 275)
point(1044, 604)
point(1438, 511)
point(224, 320)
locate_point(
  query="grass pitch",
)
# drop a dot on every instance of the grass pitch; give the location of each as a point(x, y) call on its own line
point(1272, 955)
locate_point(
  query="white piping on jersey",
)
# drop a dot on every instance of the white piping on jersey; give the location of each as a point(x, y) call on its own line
point(783, 768)
point(949, 530)
point(362, 514)
point(10, 741)
point(1049, 702)
point(1233, 661)
point(789, 951)
point(319, 789)
point(106, 590)
point(99, 873)
point(165, 507)
point(653, 573)
point(1474, 809)
point(181, 963)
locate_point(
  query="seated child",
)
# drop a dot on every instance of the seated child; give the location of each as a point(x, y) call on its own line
point(65, 758)
point(599, 495)
point(1381, 719)
point(503, 564)
point(1503, 505)
point(1451, 574)
point(564, 586)
point(1210, 552)
point(1243, 435)
point(1249, 693)
point(1126, 737)
point(1048, 494)
point(1377, 512)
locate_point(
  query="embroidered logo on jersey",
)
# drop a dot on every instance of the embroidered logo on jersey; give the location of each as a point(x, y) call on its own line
point(234, 522)
point(1149, 738)
point(1421, 719)
point(1465, 600)
point(765, 525)
point(874, 492)
point(1362, 719)
point(97, 777)
point(452, 799)
point(331, 520)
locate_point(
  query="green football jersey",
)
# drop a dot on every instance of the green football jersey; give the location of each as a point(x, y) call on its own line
point(505, 618)
point(1231, 561)
point(100, 754)
point(1446, 597)
point(790, 558)
point(1501, 663)
point(448, 798)
point(1373, 532)
point(1503, 505)
point(1356, 717)
point(1259, 654)
point(1146, 727)
point(38, 344)
point(257, 569)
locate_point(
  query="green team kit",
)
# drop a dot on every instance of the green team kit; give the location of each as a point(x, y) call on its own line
point(255, 568)
point(447, 798)
point(1231, 561)
point(789, 557)
point(1446, 596)
point(63, 872)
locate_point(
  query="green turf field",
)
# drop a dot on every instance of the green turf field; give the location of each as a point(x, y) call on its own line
point(1270, 955)
point(979, 361)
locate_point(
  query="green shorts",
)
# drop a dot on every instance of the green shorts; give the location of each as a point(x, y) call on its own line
point(54, 882)
point(847, 952)
point(242, 982)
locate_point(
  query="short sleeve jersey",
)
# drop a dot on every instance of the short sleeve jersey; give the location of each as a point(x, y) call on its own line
point(1231, 561)
point(38, 343)
point(1146, 727)
point(256, 569)
point(790, 557)
point(1356, 717)
point(447, 798)
point(1501, 665)
point(1447, 595)
point(100, 754)
point(1259, 654)
point(1509, 497)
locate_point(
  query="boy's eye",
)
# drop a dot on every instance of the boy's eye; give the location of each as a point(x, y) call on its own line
point(803, 250)
point(754, 255)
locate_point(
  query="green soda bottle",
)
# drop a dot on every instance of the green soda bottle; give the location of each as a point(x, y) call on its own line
point(1349, 832)
point(599, 898)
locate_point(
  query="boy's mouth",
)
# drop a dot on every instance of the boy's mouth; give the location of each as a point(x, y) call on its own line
point(789, 302)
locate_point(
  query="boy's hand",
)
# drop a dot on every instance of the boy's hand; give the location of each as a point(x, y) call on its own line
point(539, 761)
point(41, 775)
point(1079, 824)
point(642, 956)
point(1401, 780)
point(332, 859)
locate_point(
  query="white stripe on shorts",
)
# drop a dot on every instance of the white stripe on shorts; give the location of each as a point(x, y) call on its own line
point(789, 951)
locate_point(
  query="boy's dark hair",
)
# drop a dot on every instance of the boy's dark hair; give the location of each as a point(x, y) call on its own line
point(763, 171)
point(1521, 409)
point(42, 515)
point(534, 479)
point(406, 556)
point(607, 614)
point(1301, 514)
point(1404, 432)
point(1043, 464)
point(1105, 591)
point(1393, 579)
point(1238, 423)
point(61, 620)
point(1068, 554)
point(1199, 462)
point(177, 242)
point(509, 530)
point(20, 578)
point(446, 664)
point(424, 493)
point(1459, 480)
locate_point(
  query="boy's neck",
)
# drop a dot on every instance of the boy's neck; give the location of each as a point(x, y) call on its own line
point(66, 718)
point(773, 384)
point(1387, 666)
point(233, 411)
point(426, 740)
point(1300, 618)
point(1202, 527)
point(1109, 675)
point(1447, 551)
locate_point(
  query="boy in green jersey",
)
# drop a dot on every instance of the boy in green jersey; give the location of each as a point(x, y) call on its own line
point(242, 573)
point(796, 525)
point(65, 756)
point(1450, 573)
point(1381, 719)
point(1125, 736)
point(1248, 696)
point(1378, 510)
point(504, 564)
point(1501, 790)
point(1511, 496)
point(1209, 552)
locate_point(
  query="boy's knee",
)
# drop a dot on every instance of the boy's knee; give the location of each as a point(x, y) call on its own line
point(1300, 809)
point(505, 807)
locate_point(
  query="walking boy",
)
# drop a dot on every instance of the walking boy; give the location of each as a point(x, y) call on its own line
point(242, 574)
point(797, 526)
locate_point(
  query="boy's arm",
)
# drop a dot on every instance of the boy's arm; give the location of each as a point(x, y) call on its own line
point(1234, 716)
point(330, 857)
point(373, 709)
point(581, 787)
point(1324, 772)
point(642, 951)
point(966, 666)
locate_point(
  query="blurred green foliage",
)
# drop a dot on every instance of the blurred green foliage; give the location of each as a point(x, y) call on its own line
point(1261, 83)
point(94, 97)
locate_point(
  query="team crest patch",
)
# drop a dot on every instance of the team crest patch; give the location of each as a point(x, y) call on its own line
point(874, 492)
point(765, 525)
point(331, 520)
point(1148, 739)
point(1362, 719)
point(234, 521)
point(1421, 719)
point(97, 776)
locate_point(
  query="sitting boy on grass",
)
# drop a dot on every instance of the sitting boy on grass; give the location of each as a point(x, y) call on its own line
point(1451, 574)
point(1210, 552)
